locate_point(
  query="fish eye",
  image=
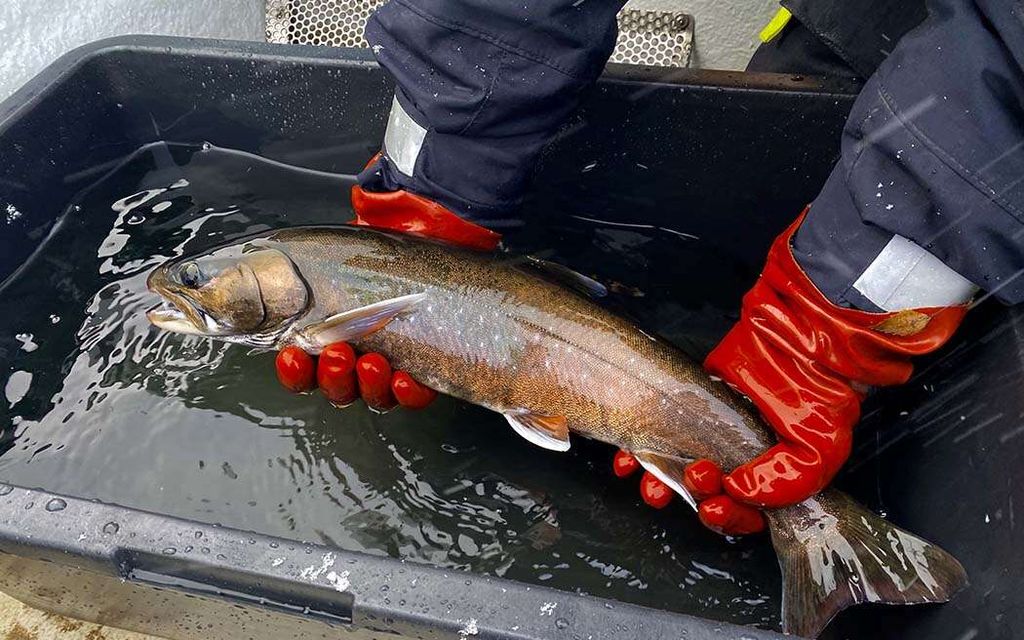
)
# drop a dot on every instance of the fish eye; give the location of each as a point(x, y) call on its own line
point(191, 275)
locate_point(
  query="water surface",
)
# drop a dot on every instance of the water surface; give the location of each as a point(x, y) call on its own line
point(101, 405)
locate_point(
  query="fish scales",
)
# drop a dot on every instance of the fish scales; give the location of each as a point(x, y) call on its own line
point(492, 333)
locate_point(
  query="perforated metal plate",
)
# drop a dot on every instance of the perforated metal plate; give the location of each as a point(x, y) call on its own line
point(646, 37)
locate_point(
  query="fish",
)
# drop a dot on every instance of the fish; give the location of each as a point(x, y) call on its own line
point(529, 340)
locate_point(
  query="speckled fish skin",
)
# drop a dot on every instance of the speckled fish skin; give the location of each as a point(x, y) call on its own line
point(494, 333)
point(490, 330)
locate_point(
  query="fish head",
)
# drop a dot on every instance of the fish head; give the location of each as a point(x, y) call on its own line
point(243, 293)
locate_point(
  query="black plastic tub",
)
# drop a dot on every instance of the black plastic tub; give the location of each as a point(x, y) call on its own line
point(730, 157)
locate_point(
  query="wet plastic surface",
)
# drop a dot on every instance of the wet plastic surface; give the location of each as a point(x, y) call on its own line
point(724, 157)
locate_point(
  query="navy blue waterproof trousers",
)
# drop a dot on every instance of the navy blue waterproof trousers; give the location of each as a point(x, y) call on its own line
point(932, 155)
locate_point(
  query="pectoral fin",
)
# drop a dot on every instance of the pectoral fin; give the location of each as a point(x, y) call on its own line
point(550, 432)
point(668, 470)
point(354, 324)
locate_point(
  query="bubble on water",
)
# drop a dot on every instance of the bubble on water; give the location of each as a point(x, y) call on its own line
point(17, 386)
point(169, 551)
point(12, 213)
point(54, 318)
point(56, 504)
point(561, 623)
point(206, 146)
point(111, 528)
point(28, 343)
point(135, 218)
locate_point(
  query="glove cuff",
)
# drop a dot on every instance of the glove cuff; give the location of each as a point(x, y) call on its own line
point(414, 214)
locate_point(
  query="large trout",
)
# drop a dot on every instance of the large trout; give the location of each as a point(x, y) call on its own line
point(502, 335)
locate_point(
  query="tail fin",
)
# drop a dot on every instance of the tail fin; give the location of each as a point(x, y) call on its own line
point(835, 553)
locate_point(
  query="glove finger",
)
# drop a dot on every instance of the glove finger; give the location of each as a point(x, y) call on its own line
point(783, 475)
point(373, 373)
point(624, 464)
point(336, 374)
point(703, 479)
point(409, 393)
point(295, 368)
point(654, 492)
point(724, 515)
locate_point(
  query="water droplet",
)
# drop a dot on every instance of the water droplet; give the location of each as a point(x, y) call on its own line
point(198, 534)
point(169, 551)
point(30, 505)
point(274, 545)
point(56, 505)
point(54, 318)
point(188, 548)
point(5, 489)
point(561, 623)
point(111, 528)
point(207, 146)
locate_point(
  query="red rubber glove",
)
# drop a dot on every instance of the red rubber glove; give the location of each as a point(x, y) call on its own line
point(414, 214)
point(719, 512)
point(703, 479)
point(343, 378)
point(806, 364)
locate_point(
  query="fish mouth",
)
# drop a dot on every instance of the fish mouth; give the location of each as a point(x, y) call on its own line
point(169, 317)
point(176, 313)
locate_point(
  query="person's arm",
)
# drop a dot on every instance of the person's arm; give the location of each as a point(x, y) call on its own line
point(925, 207)
point(481, 87)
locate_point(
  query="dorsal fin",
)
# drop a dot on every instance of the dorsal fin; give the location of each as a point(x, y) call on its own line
point(569, 278)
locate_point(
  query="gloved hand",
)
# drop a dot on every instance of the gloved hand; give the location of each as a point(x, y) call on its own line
point(806, 364)
point(343, 378)
point(401, 210)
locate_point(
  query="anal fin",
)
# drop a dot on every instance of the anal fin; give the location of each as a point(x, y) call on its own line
point(549, 432)
point(668, 470)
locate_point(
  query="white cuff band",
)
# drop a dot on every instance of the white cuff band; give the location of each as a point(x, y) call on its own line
point(906, 276)
point(403, 139)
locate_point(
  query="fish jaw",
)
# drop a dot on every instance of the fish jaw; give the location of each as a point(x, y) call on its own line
point(173, 319)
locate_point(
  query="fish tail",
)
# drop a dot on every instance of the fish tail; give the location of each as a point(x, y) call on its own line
point(835, 553)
